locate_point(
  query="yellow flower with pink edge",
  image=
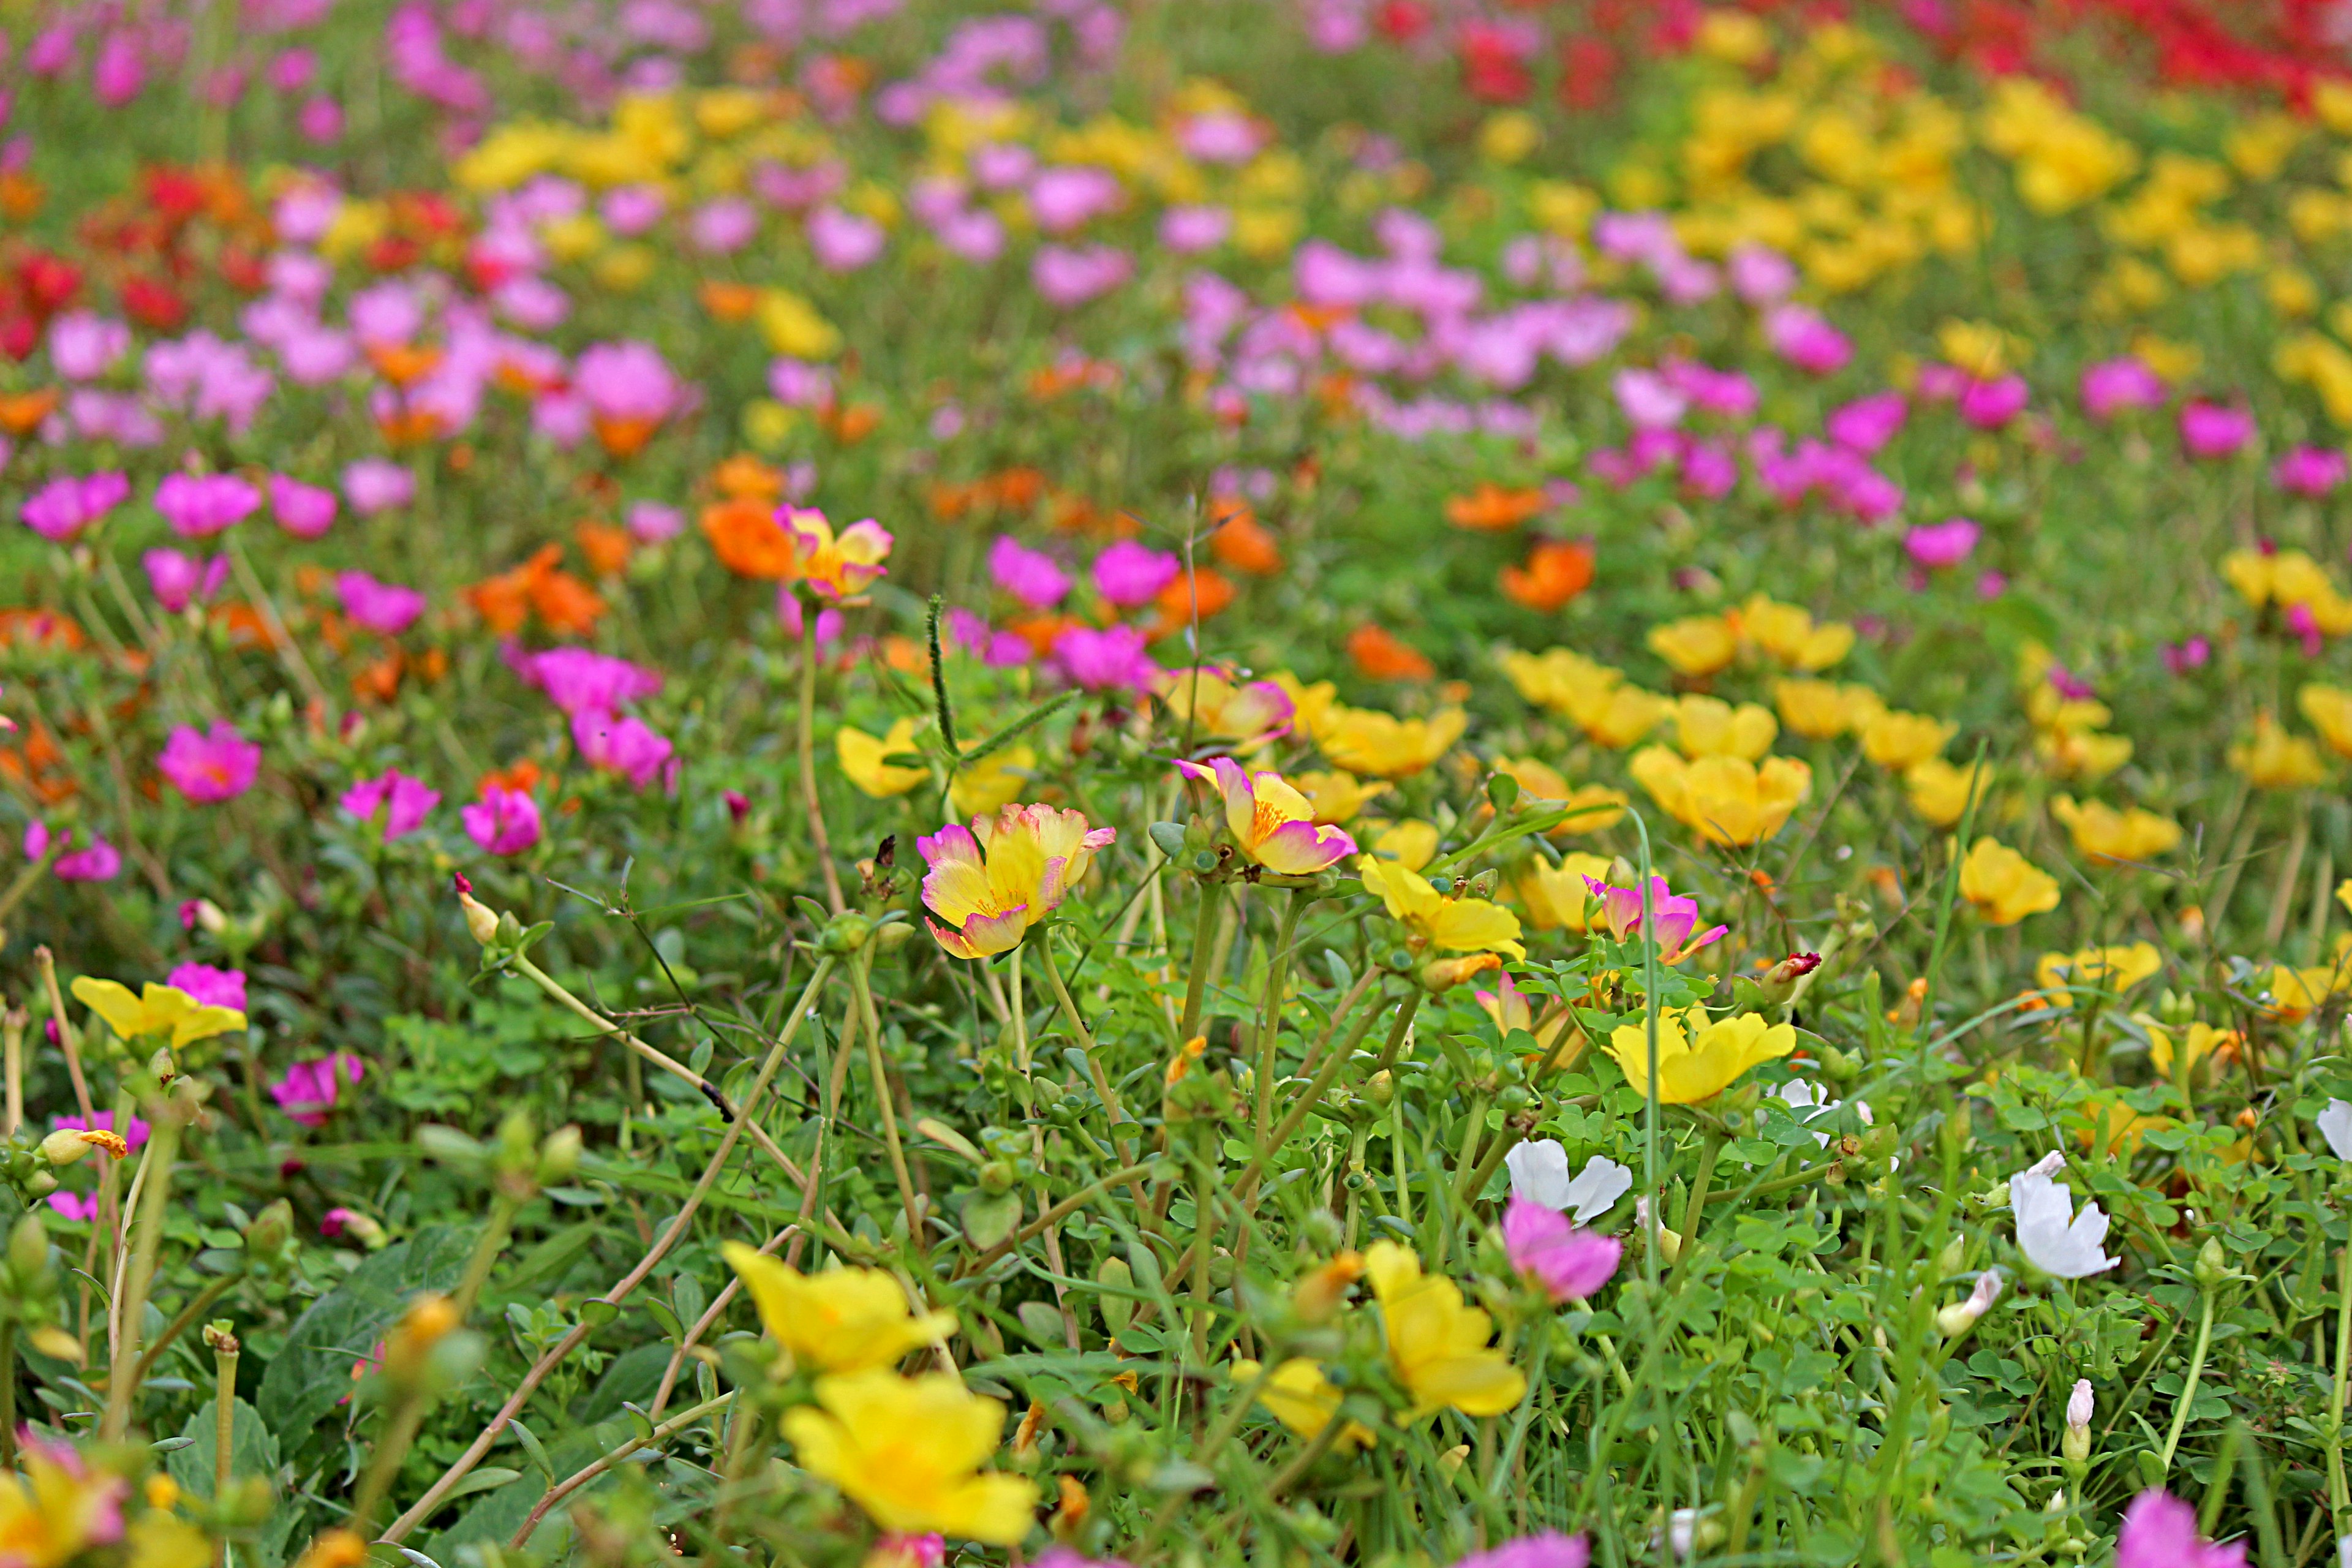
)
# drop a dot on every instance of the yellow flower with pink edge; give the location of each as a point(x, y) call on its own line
point(1937, 790)
point(1437, 1346)
point(1273, 825)
point(2273, 759)
point(1726, 800)
point(863, 759)
point(1364, 740)
point(1439, 920)
point(994, 880)
point(156, 1010)
point(1213, 707)
point(1556, 896)
point(1298, 1395)
point(843, 1319)
point(1710, 727)
point(907, 1450)
point(1698, 1057)
point(837, 566)
point(2004, 886)
point(2100, 832)
point(1898, 742)
point(1337, 795)
point(56, 1506)
point(1696, 645)
point(2098, 968)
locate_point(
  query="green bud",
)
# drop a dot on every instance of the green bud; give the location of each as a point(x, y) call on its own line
point(1503, 792)
point(559, 1156)
point(1169, 837)
point(844, 934)
point(2212, 1263)
point(269, 1237)
point(28, 1250)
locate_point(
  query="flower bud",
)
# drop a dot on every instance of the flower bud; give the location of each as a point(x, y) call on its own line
point(28, 1249)
point(2212, 1263)
point(2076, 1443)
point(1320, 1291)
point(1503, 792)
point(66, 1145)
point(1779, 982)
point(1961, 1315)
point(558, 1155)
point(220, 1337)
point(1445, 973)
point(844, 934)
point(343, 1223)
point(429, 1319)
point(1380, 1089)
point(481, 920)
point(271, 1230)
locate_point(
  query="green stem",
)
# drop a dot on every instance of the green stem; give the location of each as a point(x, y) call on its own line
point(881, 1072)
point(2189, 1386)
point(2340, 1495)
point(162, 1146)
point(1269, 1013)
point(1694, 1207)
point(196, 1308)
point(1204, 939)
point(819, 840)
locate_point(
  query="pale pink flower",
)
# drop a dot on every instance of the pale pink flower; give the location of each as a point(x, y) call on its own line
point(1570, 1263)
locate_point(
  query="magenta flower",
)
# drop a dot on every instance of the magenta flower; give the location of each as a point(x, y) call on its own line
point(1649, 401)
point(1989, 404)
point(1942, 544)
point(64, 507)
point(1621, 912)
point(210, 765)
point(196, 505)
point(211, 987)
point(578, 680)
point(1110, 659)
point(1068, 277)
point(2114, 385)
point(177, 581)
point(84, 347)
point(384, 607)
point(2181, 658)
point(2312, 471)
point(1070, 197)
point(133, 1140)
point(375, 485)
point(1189, 230)
point(1029, 575)
point(1549, 1550)
point(306, 511)
point(100, 862)
point(624, 746)
point(2209, 430)
point(626, 383)
point(310, 1090)
point(504, 821)
point(1867, 424)
point(406, 802)
point(1570, 1262)
point(1805, 339)
point(79, 1207)
point(2160, 1532)
point(1128, 573)
point(844, 241)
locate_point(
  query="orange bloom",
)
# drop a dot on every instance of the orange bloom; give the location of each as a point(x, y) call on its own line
point(728, 301)
point(1205, 589)
point(1014, 490)
point(1490, 508)
point(566, 603)
point(606, 547)
point(1240, 540)
point(1555, 572)
point(21, 413)
point(1380, 656)
point(522, 775)
point(537, 587)
point(851, 425)
point(623, 438)
point(401, 363)
point(748, 540)
point(744, 478)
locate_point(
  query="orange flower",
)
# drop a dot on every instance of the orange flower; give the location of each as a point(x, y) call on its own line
point(561, 600)
point(728, 301)
point(852, 424)
point(748, 540)
point(401, 363)
point(1380, 656)
point(1240, 540)
point(566, 603)
point(1014, 490)
point(522, 777)
point(606, 547)
point(1490, 508)
point(21, 413)
point(744, 478)
point(1206, 588)
point(950, 502)
point(623, 438)
point(1556, 571)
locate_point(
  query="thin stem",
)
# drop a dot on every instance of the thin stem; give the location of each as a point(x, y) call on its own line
point(2340, 1495)
point(1269, 1013)
point(819, 840)
point(1650, 1081)
point(197, 1306)
point(598, 1465)
point(874, 1062)
point(7, 1393)
point(1205, 938)
point(2188, 1387)
point(162, 1146)
point(68, 1040)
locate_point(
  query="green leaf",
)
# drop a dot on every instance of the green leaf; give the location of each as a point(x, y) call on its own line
point(313, 1372)
point(482, 1480)
point(989, 1220)
point(252, 1452)
point(1011, 733)
point(531, 1446)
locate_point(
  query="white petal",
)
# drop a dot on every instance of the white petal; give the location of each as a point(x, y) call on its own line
point(2336, 1126)
point(1540, 1173)
point(1597, 1188)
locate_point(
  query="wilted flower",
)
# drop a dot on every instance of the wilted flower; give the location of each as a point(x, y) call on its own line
point(1960, 1317)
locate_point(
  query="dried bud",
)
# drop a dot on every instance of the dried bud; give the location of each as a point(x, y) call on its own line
point(68, 1144)
point(343, 1223)
point(220, 1337)
point(1440, 975)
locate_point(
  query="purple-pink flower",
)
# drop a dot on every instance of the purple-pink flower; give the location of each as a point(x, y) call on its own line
point(1570, 1262)
point(2114, 384)
point(1549, 1550)
point(1867, 424)
point(196, 505)
point(306, 511)
point(1068, 276)
point(1128, 573)
point(1030, 576)
point(1805, 339)
point(844, 241)
point(310, 1090)
point(375, 485)
point(626, 383)
point(1989, 404)
point(64, 507)
point(99, 862)
point(384, 607)
point(2209, 430)
point(1936, 545)
point(504, 821)
point(211, 987)
point(578, 680)
point(2312, 471)
point(2160, 1532)
point(1674, 917)
point(406, 802)
point(627, 747)
point(209, 765)
point(1109, 659)
point(178, 581)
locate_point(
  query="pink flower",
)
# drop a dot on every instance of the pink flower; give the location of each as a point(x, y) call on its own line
point(1549, 1550)
point(406, 802)
point(1189, 230)
point(1065, 198)
point(1648, 400)
point(1867, 424)
point(650, 523)
point(578, 681)
point(196, 505)
point(135, 1140)
point(178, 580)
point(1110, 659)
point(64, 507)
point(374, 485)
point(2181, 658)
point(503, 822)
point(83, 347)
point(844, 241)
point(306, 511)
point(1069, 277)
point(1805, 339)
point(630, 210)
point(384, 607)
point(1128, 573)
point(724, 226)
point(1760, 275)
point(1029, 575)
point(2312, 471)
point(2209, 430)
point(1221, 136)
point(2160, 1532)
point(1942, 544)
point(118, 73)
point(211, 987)
point(209, 766)
point(1570, 1262)
point(624, 746)
point(320, 120)
point(1989, 404)
point(101, 862)
point(310, 1090)
point(626, 383)
point(79, 1207)
point(1621, 912)
point(2118, 384)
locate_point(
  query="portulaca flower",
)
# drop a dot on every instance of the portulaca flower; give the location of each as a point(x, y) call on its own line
point(1961, 1315)
point(2054, 1237)
point(1539, 1174)
point(2336, 1126)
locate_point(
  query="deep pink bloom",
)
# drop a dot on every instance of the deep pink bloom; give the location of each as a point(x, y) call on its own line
point(2181, 658)
point(1069, 277)
point(1189, 230)
point(579, 680)
point(320, 120)
point(209, 765)
point(178, 581)
point(118, 73)
point(384, 607)
point(626, 383)
point(310, 1090)
point(1031, 576)
point(1621, 912)
point(2310, 471)
point(135, 1140)
point(2118, 384)
point(1549, 1550)
point(211, 987)
point(79, 1208)
point(626, 746)
point(1128, 573)
point(2160, 1532)
point(196, 505)
point(1570, 1262)
point(504, 821)
point(64, 507)
point(375, 485)
point(1942, 544)
point(1989, 404)
point(2211, 430)
point(406, 802)
point(1805, 339)
point(306, 511)
point(100, 862)
point(1867, 424)
point(1110, 659)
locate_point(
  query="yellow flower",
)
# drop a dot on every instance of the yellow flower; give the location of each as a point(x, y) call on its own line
point(1937, 790)
point(159, 1539)
point(1698, 1057)
point(156, 1010)
point(2082, 753)
point(1543, 784)
point(1557, 677)
point(1696, 644)
point(992, 783)
point(1898, 742)
point(1336, 795)
point(1554, 895)
point(2004, 886)
point(2103, 968)
point(1272, 824)
point(1456, 925)
point(837, 566)
point(1710, 727)
point(861, 754)
point(1789, 635)
point(908, 1451)
point(2273, 759)
point(1303, 1399)
point(1203, 701)
point(2295, 993)
point(844, 1319)
point(1411, 843)
point(1437, 1346)
point(1311, 707)
point(57, 1508)
point(2329, 708)
point(1726, 800)
point(792, 327)
point(1822, 709)
point(2201, 1041)
point(1980, 348)
point(1622, 715)
point(994, 880)
point(2102, 832)
point(1363, 741)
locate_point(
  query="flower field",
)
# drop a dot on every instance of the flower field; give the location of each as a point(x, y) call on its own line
point(1515, 782)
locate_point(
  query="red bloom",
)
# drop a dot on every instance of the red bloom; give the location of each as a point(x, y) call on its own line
point(154, 305)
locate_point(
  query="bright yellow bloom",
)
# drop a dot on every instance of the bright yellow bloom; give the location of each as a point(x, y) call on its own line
point(2202, 1040)
point(1303, 1399)
point(1558, 678)
point(2273, 759)
point(1726, 800)
point(1898, 742)
point(160, 1540)
point(1937, 790)
point(156, 1010)
point(2102, 832)
point(1441, 919)
point(1823, 710)
point(1437, 1346)
point(2295, 993)
point(2083, 754)
point(1710, 727)
point(1336, 795)
point(57, 1508)
point(1411, 843)
point(1698, 1057)
point(2004, 886)
point(1272, 824)
point(1980, 348)
point(1364, 740)
point(793, 326)
point(2103, 968)
point(1595, 807)
point(1311, 707)
point(844, 1319)
point(1789, 635)
point(992, 783)
point(994, 880)
point(2329, 708)
point(908, 1451)
point(1555, 896)
point(861, 754)
point(1696, 644)
point(1622, 715)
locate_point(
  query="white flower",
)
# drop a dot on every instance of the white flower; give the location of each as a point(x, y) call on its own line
point(1539, 1174)
point(2054, 1237)
point(2343, 1551)
point(2336, 1126)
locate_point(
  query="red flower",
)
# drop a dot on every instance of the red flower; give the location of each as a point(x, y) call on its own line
point(154, 305)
